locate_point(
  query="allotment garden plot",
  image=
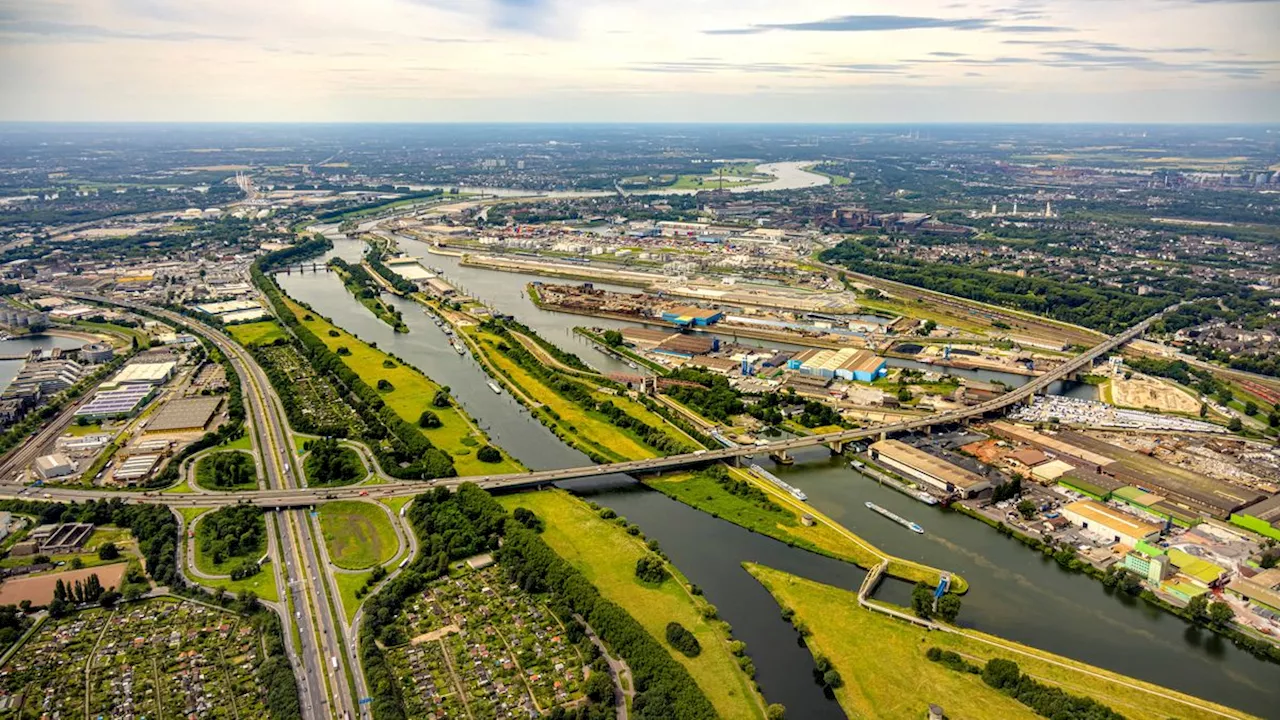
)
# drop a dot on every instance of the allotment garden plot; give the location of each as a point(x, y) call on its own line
point(480, 647)
point(314, 404)
point(158, 658)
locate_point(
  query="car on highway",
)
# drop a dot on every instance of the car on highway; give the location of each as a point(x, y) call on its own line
point(364, 493)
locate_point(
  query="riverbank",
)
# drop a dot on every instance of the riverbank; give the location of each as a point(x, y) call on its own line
point(885, 673)
point(410, 393)
point(605, 551)
point(786, 523)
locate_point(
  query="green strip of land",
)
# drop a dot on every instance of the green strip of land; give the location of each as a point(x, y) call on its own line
point(885, 673)
point(266, 332)
point(604, 552)
point(412, 393)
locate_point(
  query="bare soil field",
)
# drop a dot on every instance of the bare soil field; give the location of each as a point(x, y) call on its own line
point(39, 589)
point(1141, 391)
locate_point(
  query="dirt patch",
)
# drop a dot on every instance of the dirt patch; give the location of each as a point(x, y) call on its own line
point(39, 589)
point(435, 635)
point(1143, 392)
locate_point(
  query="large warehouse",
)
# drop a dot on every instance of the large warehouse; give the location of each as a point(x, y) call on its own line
point(846, 364)
point(1110, 523)
point(920, 465)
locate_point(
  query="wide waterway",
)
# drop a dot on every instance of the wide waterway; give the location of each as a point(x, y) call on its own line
point(1014, 592)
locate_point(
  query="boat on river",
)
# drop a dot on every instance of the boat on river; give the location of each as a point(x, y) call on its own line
point(895, 517)
point(494, 387)
point(457, 347)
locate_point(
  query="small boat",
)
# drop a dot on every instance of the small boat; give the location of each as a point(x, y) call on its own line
point(459, 349)
point(895, 517)
point(633, 366)
point(494, 387)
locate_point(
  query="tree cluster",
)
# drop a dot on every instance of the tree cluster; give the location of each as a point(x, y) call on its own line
point(329, 462)
point(228, 470)
point(1106, 309)
point(1046, 700)
point(681, 639)
point(235, 531)
point(651, 569)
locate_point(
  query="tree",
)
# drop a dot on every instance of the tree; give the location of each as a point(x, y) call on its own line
point(441, 400)
point(1197, 608)
point(599, 687)
point(949, 607)
point(77, 563)
point(1027, 509)
point(108, 551)
point(775, 711)
point(1220, 613)
point(651, 569)
point(489, 454)
point(904, 395)
point(612, 338)
point(429, 420)
point(681, 639)
point(1235, 425)
point(1204, 409)
point(922, 600)
point(1001, 674)
point(1250, 408)
point(385, 385)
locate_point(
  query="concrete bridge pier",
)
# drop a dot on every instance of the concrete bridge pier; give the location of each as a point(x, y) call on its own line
point(782, 458)
point(836, 447)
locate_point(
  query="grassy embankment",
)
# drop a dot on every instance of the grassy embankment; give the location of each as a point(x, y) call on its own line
point(413, 392)
point(835, 179)
point(358, 534)
point(604, 552)
point(825, 536)
point(886, 674)
point(587, 430)
point(263, 584)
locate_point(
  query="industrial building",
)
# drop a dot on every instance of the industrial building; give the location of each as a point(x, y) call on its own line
point(97, 353)
point(1261, 589)
point(135, 468)
point(1077, 456)
point(1199, 571)
point(846, 364)
point(44, 377)
point(1110, 523)
point(120, 401)
point(1262, 518)
point(153, 373)
point(692, 316)
point(920, 465)
point(53, 466)
point(60, 539)
point(687, 346)
point(1149, 563)
point(1050, 471)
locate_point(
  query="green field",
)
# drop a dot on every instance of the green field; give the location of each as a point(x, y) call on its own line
point(413, 393)
point(396, 503)
point(886, 675)
point(348, 584)
point(358, 534)
point(586, 429)
point(262, 584)
point(607, 556)
point(266, 332)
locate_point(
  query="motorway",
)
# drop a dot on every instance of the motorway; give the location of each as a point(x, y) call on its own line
point(321, 661)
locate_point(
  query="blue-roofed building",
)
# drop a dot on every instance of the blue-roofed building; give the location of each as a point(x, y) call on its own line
point(692, 316)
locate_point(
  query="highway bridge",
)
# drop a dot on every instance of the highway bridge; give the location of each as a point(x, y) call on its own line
point(297, 497)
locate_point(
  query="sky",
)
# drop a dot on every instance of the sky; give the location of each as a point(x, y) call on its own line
point(640, 60)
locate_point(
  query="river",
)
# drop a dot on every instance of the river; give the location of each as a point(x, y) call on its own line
point(1014, 593)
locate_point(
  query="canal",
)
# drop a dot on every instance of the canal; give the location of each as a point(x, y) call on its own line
point(1014, 592)
point(25, 344)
